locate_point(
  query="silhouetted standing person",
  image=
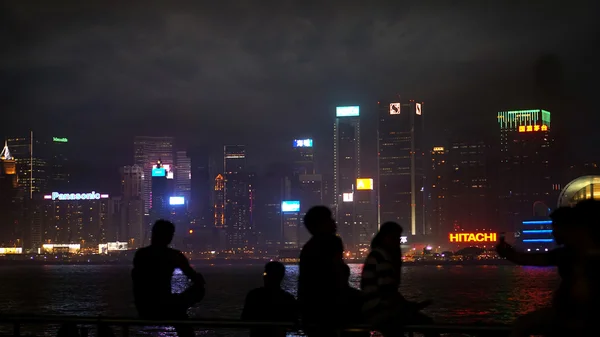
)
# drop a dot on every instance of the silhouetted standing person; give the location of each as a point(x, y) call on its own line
point(321, 263)
point(270, 303)
point(153, 268)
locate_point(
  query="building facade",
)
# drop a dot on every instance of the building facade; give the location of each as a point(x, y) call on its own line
point(148, 151)
point(401, 165)
point(237, 197)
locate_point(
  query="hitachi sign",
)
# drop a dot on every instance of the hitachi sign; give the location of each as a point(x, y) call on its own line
point(472, 237)
point(76, 196)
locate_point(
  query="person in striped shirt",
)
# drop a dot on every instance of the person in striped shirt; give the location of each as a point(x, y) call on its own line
point(384, 307)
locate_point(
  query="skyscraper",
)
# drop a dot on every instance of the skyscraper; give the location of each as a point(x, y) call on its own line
point(219, 200)
point(438, 192)
point(148, 151)
point(130, 223)
point(32, 168)
point(525, 177)
point(304, 157)
point(9, 203)
point(183, 176)
point(237, 197)
point(401, 165)
point(346, 166)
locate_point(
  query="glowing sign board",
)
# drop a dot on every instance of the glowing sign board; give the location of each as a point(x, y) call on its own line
point(348, 197)
point(438, 149)
point(76, 196)
point(11, 250)
point(104, 248)
point(290, 206)
point(418, 108)
point(176, 201)
point(533, 128)
point(403, 239)
point(347, 111)
point(60, 139)
point(394, 108)
point(303, 143)
point(472, 237)
point(364, 184)
point(159, 172)
point(72, 248)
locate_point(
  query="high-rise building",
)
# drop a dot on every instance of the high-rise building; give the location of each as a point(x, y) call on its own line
point(219, 199)
point(438, 192)
point(365, 220)
point(32, 168)
point(183, 176)
point(525, 154)
point(290, 222)
point(58, 163)
point(346, 167)
point(304, 157)
point(237, 197)
point(9, 201)
point(470, 198)
point(162, 189)
point(401, 165)
point(148, 151)
point(129, 211)
point(310, 193)
point(76, 218)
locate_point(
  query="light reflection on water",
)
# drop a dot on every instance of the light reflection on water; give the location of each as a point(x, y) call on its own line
point(461, 294)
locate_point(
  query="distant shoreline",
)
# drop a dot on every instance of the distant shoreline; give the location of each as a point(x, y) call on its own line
point(245, 262)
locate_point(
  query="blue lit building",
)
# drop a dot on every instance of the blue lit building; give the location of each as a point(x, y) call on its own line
point(536, 235)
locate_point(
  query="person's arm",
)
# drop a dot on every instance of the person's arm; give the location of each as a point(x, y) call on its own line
point(526, 259)
point(187, 270)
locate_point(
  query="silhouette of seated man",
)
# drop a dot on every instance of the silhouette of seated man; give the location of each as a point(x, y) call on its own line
point(153, 268)
point(270, 303)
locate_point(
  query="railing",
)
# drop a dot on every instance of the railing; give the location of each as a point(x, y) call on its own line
point(17, 321)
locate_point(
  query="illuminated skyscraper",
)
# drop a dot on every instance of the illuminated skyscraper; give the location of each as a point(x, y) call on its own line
point(183, 176)
point(237, 197)
point(32, 168)
point(9, 203)
point(438, 192)
point(346, 166)
point(304, 157)
point(525, 176)
point(219, 199)
point(147, 151)
point(401, 165)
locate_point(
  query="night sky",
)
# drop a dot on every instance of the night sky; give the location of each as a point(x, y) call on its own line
point(262, 72)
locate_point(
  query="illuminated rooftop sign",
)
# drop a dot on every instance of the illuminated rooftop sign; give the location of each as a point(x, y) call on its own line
point(394, 108)
point(533, 128)
point(76, 196)
point(418, 110)
point(512, 120)
point(176, 201)
point(347, 111)
point(364, 184)
point(438, 149)
point(472, 237)
point(347, 197)
point(290, 206)
point(303, 143)
point(60, 139)
point(159, 172)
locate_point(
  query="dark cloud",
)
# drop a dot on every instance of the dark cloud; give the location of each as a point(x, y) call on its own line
point(229, 69)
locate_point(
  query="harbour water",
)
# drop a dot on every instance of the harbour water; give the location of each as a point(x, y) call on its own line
point(461, 294)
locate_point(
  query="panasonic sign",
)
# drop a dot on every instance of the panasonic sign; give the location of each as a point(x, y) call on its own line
point(76, 196)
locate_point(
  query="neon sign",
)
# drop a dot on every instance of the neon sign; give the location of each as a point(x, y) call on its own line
point(418, 109)
point(394, 108)
point(76, 196)
point(472, 237)
point(438, 149)
point(364, 184)
point(60, 139)
point(533, 128)
point(347, 111)
point(303, 143)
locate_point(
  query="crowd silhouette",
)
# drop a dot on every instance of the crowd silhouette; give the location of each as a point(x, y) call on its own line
point(326, 302)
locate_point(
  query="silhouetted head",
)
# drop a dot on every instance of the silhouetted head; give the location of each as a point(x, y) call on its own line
point(162, 233)
point(563, 218)
point(319, 220)
point(273, 275)
point(388, 237)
